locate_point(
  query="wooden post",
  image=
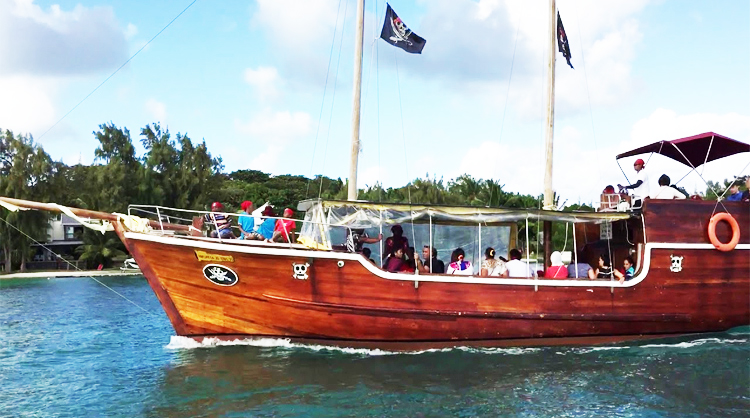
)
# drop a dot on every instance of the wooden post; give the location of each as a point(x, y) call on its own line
point(547, 228)
point(354, 158)
point(550, 123)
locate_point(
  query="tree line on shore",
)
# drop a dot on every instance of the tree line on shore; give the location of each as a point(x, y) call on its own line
point(175, 172)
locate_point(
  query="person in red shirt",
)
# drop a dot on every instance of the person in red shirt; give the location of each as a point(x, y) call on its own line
point(284, 231)
point(557, 270)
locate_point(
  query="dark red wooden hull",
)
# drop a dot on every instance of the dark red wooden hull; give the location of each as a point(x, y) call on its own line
point(358, 304)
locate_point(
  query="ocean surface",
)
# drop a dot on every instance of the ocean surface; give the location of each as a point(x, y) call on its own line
point(71, 347)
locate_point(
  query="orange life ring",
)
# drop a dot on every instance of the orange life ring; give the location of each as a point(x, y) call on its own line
point(723, 216)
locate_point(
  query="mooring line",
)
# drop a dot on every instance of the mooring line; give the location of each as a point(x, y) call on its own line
point(76, 267)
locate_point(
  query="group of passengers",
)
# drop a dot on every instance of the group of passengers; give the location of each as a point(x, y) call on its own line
point(399, 257)
point(582, 270)
point(269, 229)
point(641, 190)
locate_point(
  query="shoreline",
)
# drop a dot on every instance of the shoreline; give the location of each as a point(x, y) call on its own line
point(68, 273)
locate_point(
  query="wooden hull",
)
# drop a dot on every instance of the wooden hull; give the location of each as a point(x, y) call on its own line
point(348, 301)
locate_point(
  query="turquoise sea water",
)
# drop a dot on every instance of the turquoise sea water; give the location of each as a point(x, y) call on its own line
point(72, 348)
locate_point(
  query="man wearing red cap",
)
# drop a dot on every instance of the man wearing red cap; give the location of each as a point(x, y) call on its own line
point(640, 187)
point(218, 222)
point(284, 231)
point(247, 222)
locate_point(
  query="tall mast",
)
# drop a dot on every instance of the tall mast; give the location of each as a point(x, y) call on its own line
point(549, 199)
point(550, 125)
point(354, 157)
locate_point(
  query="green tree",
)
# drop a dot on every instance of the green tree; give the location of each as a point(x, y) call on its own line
point(99, 248)
point(26, 172)
point(119, 181)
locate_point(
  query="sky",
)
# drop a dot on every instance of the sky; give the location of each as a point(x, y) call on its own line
point(268, 85)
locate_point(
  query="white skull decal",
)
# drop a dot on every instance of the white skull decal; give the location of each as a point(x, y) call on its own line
point(676, 265)
point(299, 271)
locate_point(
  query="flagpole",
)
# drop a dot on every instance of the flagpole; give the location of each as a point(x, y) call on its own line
point(354, 157)
point(549, 203)
point(550, 123)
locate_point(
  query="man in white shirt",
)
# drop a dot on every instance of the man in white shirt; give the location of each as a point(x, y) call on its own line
point(665, 191)
point(516, 267)
point(640, 187)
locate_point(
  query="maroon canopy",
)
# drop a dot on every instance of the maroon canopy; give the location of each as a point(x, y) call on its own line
point(692, 150)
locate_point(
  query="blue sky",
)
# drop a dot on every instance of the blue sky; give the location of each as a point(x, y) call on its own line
point(249, 78)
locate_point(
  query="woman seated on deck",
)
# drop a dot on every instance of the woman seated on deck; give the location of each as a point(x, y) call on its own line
point(492, 267)
point(605, 270)
point(458, 265)
point(396, 261)
point(557, 269)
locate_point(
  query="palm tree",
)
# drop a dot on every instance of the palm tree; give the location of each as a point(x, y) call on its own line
point(99, 248)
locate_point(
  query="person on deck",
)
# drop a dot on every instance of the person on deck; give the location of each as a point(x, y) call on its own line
point(492, 267)
point(267, 226)
point(356, 238)
point(735, 195)
point(629, 266)
point(395, 261)
point(284, 231)
point(640, 187)
point(557, 269)
point(366, 252)
point(746, 193)
point(458, 265)
point(605, 270)
point(516, 267)
point(247, 222)
point(397, 240)
point(665, 191)
point(219, 222)
point(438, 267)
point(581, 269)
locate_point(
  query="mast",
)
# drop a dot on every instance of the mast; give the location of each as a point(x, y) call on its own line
point(549, 199)
point(354, 156)
point(550, 123)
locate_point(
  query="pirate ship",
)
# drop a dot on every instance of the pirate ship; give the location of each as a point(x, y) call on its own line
point(693, 269)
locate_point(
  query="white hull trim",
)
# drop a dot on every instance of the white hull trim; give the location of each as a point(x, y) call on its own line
point(307, 253)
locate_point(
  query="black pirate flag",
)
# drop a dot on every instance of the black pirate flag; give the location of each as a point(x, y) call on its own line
point(562, 40)
point(397, 34)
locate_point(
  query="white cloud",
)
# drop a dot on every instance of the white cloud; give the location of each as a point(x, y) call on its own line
point(272, 135)
point(265, 80)
point(53, 41)
point(665, 124)
point(28, 105)
point(475, 53)
point(301, 24)
point(300, 33)
point(130, 31)
point(157, 111)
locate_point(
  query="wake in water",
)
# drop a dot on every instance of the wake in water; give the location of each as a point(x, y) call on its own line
point(181, 343)
point(185, 343)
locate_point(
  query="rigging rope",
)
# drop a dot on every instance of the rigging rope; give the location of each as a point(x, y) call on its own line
point(586, 79)
point(76, 267)
point(117, 70)
point(505, 110)
point(322, 102)
point(403, 138)
point(333, 98)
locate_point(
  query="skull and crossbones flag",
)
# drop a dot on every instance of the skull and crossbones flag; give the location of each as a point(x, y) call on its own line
point(562, 40)
point(397, 34)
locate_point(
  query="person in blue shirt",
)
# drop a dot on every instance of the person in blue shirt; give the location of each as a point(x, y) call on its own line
point(735, 195)
point(629, 266)
point(266, 228)
point(247, 222)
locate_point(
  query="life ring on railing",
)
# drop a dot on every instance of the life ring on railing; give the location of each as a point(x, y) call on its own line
point(723, 216)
